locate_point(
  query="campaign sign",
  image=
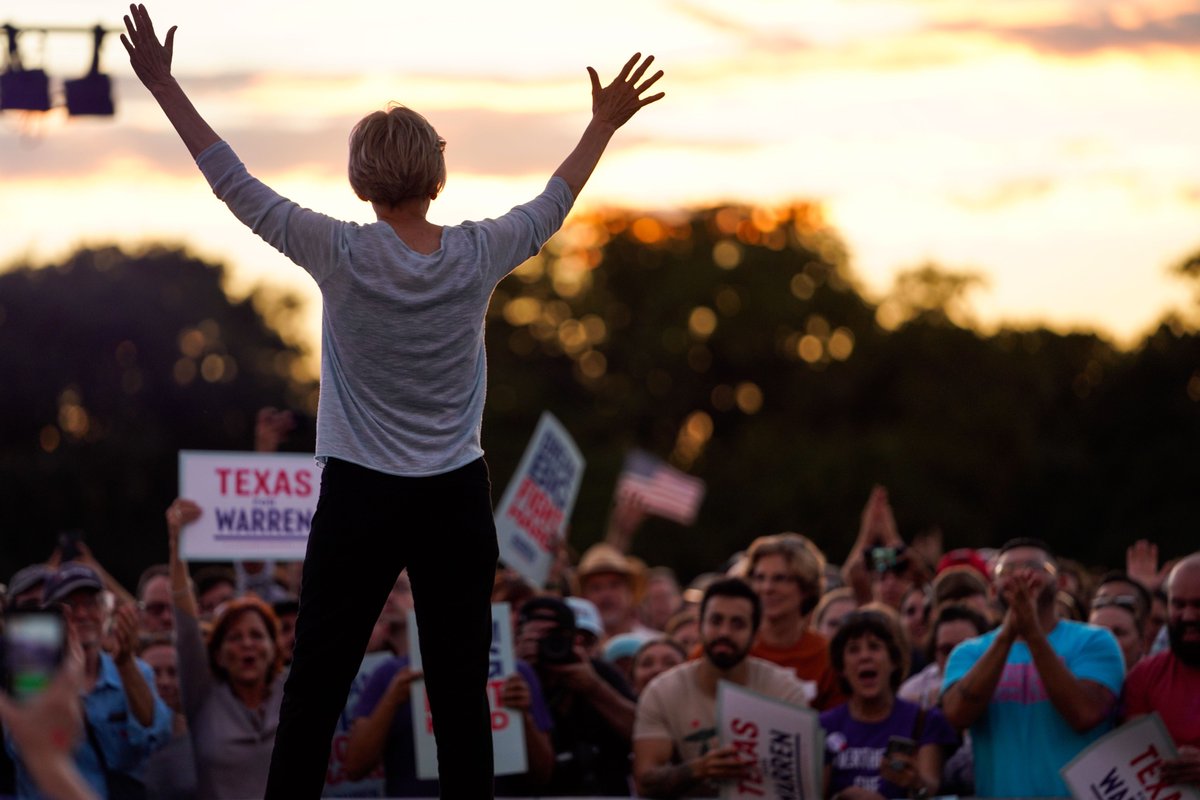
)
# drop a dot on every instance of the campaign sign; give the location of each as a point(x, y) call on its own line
point(337, 782)
point(537, 504)
point(508, 730)
point(786, 740)
point(1125, 765)
point(256, 506)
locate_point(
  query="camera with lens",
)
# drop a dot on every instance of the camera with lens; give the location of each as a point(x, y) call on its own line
point(557, 646)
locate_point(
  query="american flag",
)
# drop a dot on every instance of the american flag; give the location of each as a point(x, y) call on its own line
point(658, 488)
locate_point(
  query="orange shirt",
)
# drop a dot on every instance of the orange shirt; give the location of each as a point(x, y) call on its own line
point(809, 659)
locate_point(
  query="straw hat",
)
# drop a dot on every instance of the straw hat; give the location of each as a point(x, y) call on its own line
point(604, 559)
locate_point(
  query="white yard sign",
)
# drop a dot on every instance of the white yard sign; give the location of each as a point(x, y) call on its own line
point(256, 506)
point(508, 731)
point(1125, 765)
point(533, 514)
point(786, 740)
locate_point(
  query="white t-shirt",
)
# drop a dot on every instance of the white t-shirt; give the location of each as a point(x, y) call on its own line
point(674, 706)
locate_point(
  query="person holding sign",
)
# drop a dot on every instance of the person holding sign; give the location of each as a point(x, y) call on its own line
point(403, 381)
point(230, 682)
point(674, 752)
point(1169, 683)
point(1035, 691)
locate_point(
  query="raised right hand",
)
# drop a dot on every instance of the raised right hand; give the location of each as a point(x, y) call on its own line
point(151, 60)
point(181, 512)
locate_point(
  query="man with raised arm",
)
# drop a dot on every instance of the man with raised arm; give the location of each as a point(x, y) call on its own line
point(403, 376)
point(1035, 691)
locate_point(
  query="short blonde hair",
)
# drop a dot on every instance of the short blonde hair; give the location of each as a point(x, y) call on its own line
point(804, 560)
point(396, 155)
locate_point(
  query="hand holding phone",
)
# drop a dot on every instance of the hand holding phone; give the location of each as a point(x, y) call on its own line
point(68, 545)
point(31, 651)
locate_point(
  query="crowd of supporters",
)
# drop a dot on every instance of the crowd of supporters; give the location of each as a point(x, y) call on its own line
point(992, 668)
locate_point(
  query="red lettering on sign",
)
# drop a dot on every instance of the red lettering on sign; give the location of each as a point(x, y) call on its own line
point(500, 714)
point(746, 745)
point(533, 511)
point(265, 482)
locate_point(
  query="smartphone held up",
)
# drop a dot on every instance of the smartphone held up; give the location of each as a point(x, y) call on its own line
point(32, 649)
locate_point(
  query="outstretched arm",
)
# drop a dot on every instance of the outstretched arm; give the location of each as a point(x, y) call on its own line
point(152, 64)
point(612, 106)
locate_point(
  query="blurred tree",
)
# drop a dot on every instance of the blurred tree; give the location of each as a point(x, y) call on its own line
point(732, 341)
point(934, 295)
point(735, 343)
point(112, 363)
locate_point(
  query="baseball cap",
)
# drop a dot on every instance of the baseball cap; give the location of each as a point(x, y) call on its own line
point(963, 557)
point(624, 645)
point(28, 578)
point(587, 616)
point(548, 608)
point(70, 577)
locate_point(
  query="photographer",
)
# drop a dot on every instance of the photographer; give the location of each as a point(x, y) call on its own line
point(591, 705)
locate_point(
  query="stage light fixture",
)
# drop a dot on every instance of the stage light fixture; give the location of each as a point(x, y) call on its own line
point(22, 89)
point(91, 94)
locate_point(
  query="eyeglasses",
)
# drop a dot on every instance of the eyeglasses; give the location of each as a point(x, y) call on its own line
point(441, 144)
point(155, 609)
point(773, 580)
point(1036, 565)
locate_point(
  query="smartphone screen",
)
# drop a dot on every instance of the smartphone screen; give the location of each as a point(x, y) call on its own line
point(900, 744)
point(34, 644)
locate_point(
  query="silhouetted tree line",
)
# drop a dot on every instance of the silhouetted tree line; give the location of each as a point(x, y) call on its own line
point(732, 341)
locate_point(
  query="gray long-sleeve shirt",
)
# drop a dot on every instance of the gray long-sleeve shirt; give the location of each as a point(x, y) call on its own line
point(403, 368)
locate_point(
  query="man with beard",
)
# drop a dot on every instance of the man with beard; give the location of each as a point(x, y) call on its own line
point(1035, 691)
point(674, 747)
point(1169, 682)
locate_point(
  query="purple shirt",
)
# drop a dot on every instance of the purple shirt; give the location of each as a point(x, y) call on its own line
point(854, 750)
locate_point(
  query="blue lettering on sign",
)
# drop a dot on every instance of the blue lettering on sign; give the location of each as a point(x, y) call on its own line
point(522, 546)
point(262, 523)
point(552, 469)
point(495, 668)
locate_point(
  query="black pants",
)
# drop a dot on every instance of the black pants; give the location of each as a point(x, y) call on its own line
point(368, 527)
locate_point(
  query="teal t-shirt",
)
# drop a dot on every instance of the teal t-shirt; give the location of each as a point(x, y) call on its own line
point(1021, 741)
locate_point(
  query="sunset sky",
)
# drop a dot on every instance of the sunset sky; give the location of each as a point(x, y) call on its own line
point(1051, 145)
